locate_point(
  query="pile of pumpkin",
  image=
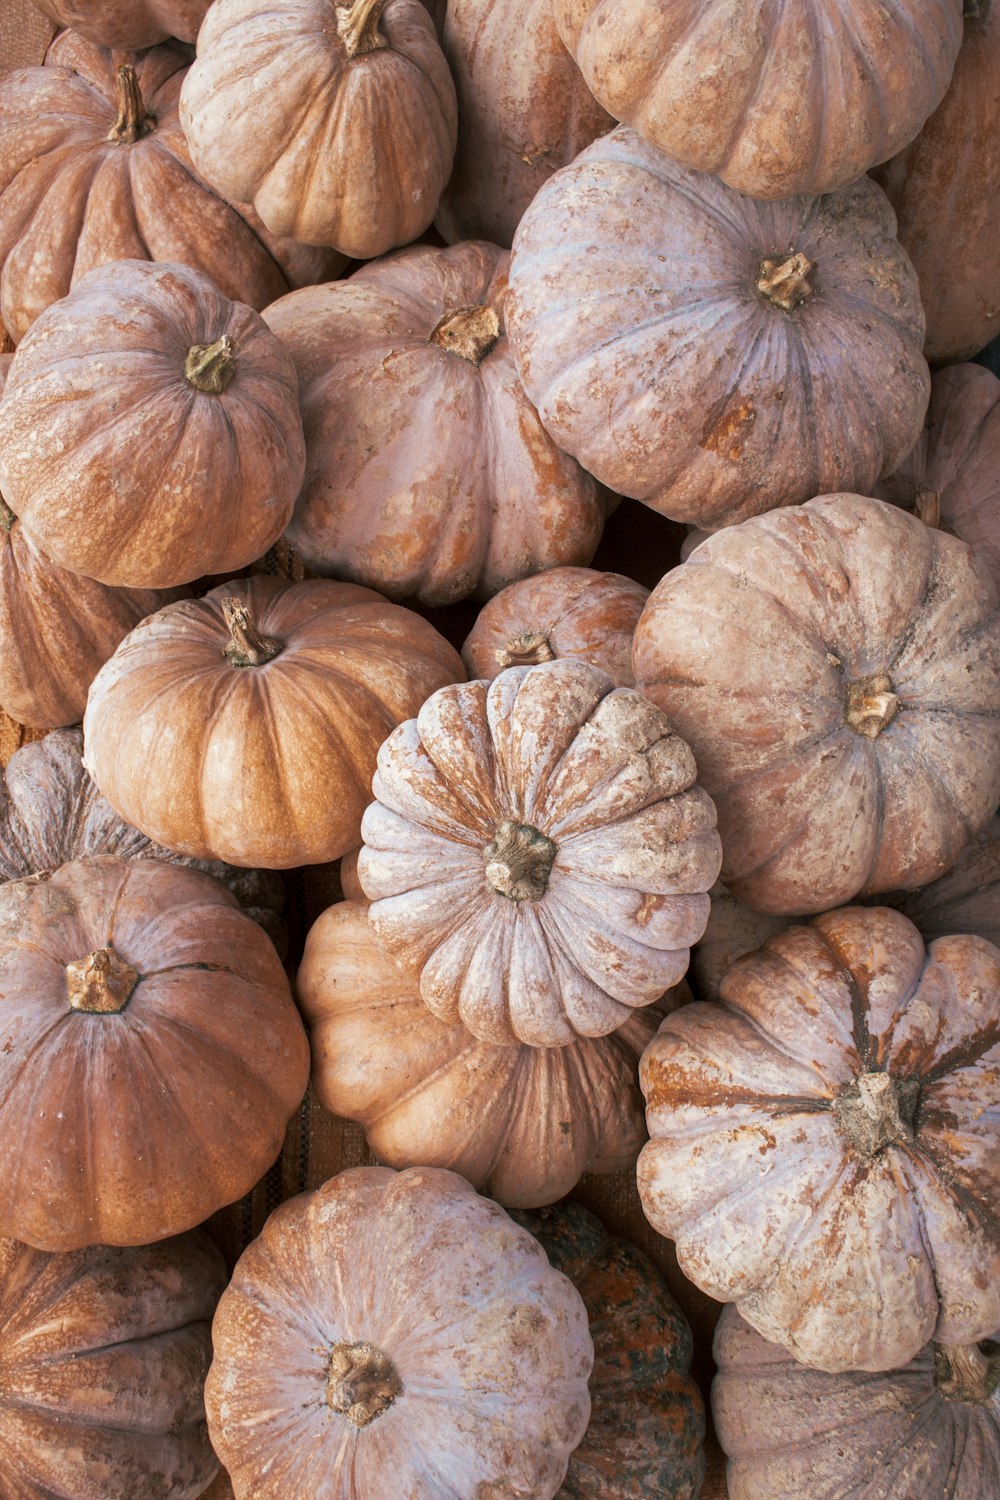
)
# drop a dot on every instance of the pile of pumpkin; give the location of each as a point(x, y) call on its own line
point(709, 308)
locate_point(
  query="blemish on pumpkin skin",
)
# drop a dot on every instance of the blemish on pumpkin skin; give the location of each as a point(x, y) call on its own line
point(726, 434)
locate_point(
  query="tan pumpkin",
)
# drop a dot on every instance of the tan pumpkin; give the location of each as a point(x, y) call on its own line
point(351, 145)
point(521, 1123)
point(128, 23)
point(151, 1053)
point(538, 854)
point(244, 726)
point(776, 100)
point(840, 690)
point(824, 1144)
point(396, 1332)
point(104, 1353)
point(428, 472)
point(196, 405)
point(633, 280)
point(576, 612)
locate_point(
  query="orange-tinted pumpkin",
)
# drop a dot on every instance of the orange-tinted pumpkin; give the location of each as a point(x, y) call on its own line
point(128, 23)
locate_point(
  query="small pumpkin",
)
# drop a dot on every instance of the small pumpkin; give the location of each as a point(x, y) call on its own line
point(104, 1353)
point(128, 23)
point(576, 612)
point(195, 402)
point(931, 1428)
point(397, 1324)
point(824, 1143)
point(521, 1123)
point(151, 1053)
point(538, 854)
point(244, 726)
point(350, 144)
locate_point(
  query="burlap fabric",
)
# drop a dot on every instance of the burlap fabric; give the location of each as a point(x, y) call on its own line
point(317, 1145)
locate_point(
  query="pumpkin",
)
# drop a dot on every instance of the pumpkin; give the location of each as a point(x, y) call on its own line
point(428, 472)
point(244, 726)
point(573, 612)
point(396, 1324)
point(337, 122)
point(931, 1428)
point(708, 355)
point(104, 1354)
point(840, 690)
point(951, 477)
point(52, 813)
point(200, 450)
point(538, 853)
point(151, 1053)
point(523, 110)
point(128, 23)
point(95, 169)
point(945, 188)
point(647, 1423)
point(776, 100)
point(824, 1143)
point(521, 1123)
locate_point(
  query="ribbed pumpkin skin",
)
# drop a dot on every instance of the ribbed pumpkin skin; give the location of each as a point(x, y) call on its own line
point(259, 765)
point(183, 482)
point(427, 475)
point(642, 339)
point(789, 1431)
point(523, 108)
point(128, 23)
point(647, 1422)
point(104, 1353)
point(490, 1344)
point(332, 149)
point(124, 1128)
point(796, 614)
point(837, 1180)
point(521, 1123)
point(776, 100)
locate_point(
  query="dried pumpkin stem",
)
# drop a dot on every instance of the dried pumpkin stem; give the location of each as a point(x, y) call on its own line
point(871, 704)
point(246, 647)
point(362, 1382)
point(469, 332)
point(878, 1110)
point(210, 367)
point(529, 649)
point(962, 1372)
point(519, 861)
point(101, 983)
point(783, 280)
point(133, 120)
point(927, 507)
point(357, 27)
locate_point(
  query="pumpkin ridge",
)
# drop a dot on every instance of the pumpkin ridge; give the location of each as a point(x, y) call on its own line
point(932, 1155)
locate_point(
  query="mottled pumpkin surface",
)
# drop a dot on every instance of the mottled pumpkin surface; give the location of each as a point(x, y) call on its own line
point(128, 23)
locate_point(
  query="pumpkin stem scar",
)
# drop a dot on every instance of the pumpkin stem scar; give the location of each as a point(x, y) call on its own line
point(357, 27)
point(784, 280)
point(519, 861)
point(133, 120)
point(469, 332)
point(529, 649)
point(101, 983)
point(878, 1110)
point(210, 367)
point(871, 705)
point(963, 1372)
point(246, 646)
point(362, 1383)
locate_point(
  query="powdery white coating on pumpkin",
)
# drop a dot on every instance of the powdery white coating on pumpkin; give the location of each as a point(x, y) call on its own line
point(331, 148)
point(128, 23)
point(104, 1353)
point(800, 97)
point(594, 771)
point(791, 1432)
point(852, 1253)
point(521, 1123)
point(754, 647)
point(642, 339)
point(491, 1346)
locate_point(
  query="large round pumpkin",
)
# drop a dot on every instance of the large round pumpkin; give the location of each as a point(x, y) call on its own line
point(104, 1353)
point(708, 355)
point(836, 671)
point(539, 853)
point(245, 726)
point(396, 1333)
point(337, 122)
point(824, 1145)
point(151, 1053)
point(128, 23)
point(428, 472)
point(149, 429)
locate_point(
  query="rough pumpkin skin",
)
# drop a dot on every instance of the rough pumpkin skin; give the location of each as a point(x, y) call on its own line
point(128, 23)
point(470, 1354)
point(824, 1143)
point(104, 1355)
